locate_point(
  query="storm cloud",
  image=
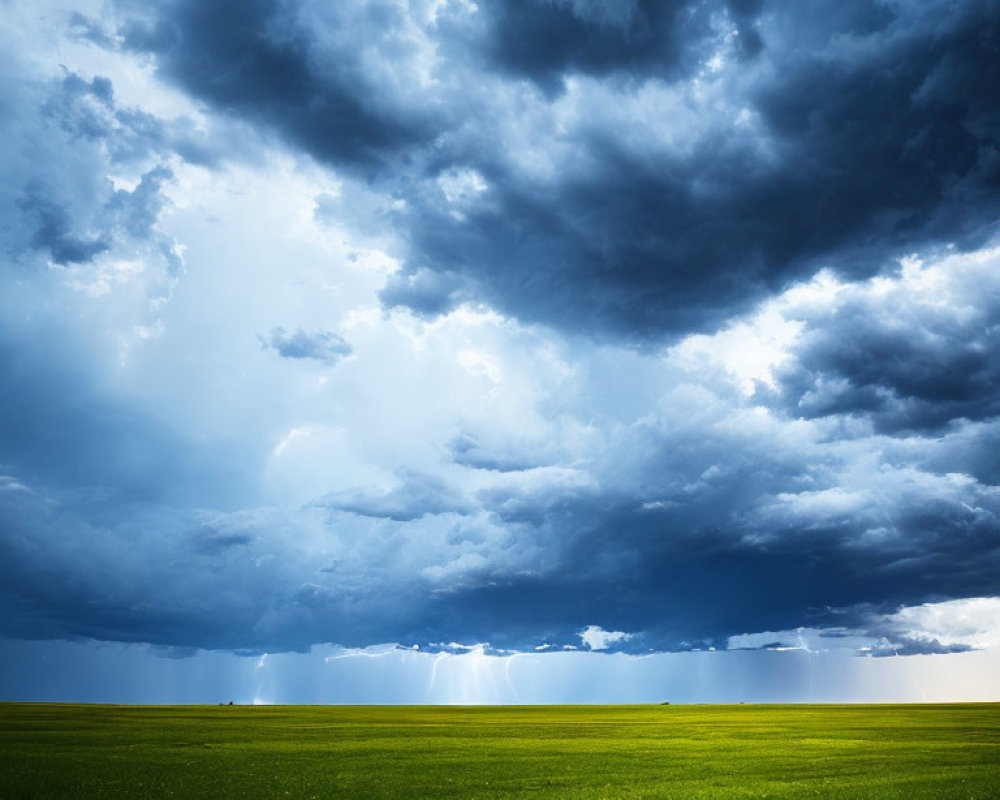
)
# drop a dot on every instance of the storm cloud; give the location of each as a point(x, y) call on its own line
point(915, 354)
point(664, 166)
point(550, 324)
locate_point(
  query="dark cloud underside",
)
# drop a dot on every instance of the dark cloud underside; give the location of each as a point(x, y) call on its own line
point(252, 59)
point(875, 132)
point(200, 459)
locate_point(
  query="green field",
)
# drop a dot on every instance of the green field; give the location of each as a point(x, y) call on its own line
point(927, 751)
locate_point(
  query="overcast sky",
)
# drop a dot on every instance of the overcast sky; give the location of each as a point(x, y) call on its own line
point(418, 329)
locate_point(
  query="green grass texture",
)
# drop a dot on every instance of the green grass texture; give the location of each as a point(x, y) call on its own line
point(676, 752)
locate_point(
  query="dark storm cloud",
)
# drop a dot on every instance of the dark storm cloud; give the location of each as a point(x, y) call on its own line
point(972, 449)
point(543, 41)
point(833, 133)
point(686, 560)
point(906, 358)
point(880, 139)
point(546, 40)
point(696, 572)
point(902, 379)
point(527, 168)
point(325, 346)
point(256, 59)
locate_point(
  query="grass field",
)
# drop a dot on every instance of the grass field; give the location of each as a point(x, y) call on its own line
point(672, 752)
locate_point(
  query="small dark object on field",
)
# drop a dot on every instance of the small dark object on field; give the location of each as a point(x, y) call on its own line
point(230, 702)
point(665, 703)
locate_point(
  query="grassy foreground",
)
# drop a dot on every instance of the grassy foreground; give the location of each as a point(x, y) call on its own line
point(550, 751)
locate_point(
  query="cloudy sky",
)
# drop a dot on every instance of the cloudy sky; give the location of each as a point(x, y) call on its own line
point(647, 344)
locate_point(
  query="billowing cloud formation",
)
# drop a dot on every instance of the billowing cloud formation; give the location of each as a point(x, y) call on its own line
point(326, 92)
point(954, 625)
point(683, 512)
point(643, 167)
point(916, 353)
point(57, 199)
point(380, 323)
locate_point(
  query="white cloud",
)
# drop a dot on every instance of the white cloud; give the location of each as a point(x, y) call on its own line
point(973, 622)
point(596, 638)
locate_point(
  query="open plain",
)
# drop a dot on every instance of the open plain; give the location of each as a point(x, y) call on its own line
point(90, 751)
